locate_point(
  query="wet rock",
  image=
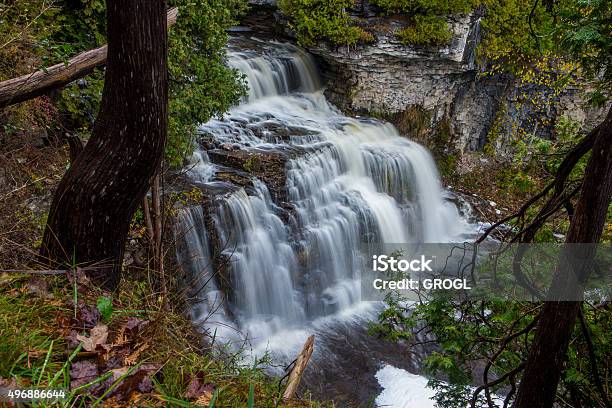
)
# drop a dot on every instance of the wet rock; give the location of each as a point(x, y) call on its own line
point(267, 165)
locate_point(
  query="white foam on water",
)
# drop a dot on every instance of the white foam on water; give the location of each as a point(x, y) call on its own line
point(402, 389)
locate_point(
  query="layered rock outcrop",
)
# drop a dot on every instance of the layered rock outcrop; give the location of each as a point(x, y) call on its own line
point(387, 77)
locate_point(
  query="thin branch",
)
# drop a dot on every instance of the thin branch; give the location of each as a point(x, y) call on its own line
point(593, 358)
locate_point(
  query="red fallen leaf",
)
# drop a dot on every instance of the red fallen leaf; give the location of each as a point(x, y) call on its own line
point(198, 388)
point(79, 276)
point(82, 372)
point(138, 381)
point(87, 315)
point(135, 325)
point(73, 342)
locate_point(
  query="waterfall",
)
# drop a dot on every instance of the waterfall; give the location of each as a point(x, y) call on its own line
point(207, 302)
point(348, 181)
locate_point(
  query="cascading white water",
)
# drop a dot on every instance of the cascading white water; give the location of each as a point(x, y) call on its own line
point(354, 181)
point(207, 301)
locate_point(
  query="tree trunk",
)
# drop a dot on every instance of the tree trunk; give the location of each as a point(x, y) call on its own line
point(557, 318)
point(38, 83)
point(94, 203)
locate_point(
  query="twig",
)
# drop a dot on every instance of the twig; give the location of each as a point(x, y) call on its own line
point(300, 365)
point(593, 358)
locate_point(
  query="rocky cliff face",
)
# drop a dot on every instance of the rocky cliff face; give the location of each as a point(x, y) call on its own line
point(386, 78)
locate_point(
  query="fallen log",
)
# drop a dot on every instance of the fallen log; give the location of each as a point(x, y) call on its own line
point(298, 369)
point(25, 87)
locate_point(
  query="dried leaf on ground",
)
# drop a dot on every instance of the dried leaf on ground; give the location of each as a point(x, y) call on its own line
point(138, 381)
point(80, 277)
point(40, 287)
point(87, 315)
point(133, 357)
point(82, 372)
point(135, 325)
point(97, 337)
point(199, 390)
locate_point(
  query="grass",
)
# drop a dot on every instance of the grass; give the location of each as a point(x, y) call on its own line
point(35, 353)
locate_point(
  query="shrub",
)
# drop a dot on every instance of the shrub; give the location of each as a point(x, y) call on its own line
point(427, 6)
point(426, 31)
point(314, 20)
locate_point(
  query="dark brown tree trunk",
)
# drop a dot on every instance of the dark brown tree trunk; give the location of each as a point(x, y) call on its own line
point(94, 203)
point(557, 318)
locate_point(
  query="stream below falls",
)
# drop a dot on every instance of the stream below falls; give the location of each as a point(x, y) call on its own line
point(293, 187)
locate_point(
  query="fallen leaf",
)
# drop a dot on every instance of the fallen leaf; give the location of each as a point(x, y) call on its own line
point(87, 316)
point(132, 358)
point(39, 287)
point(135, 325)
point(119, 372)
point(8, 382)
point(79, 276)
point(82, 372)
point(199, 390)
point(204, 399)
point(97, 336)
point(138, 381)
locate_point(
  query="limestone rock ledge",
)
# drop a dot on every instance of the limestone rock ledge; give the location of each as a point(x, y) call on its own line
point(387, 78)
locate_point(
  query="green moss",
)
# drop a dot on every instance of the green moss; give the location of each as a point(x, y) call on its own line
point(426, 31)
point(251, 163)
point(427, 6)
point(314, 20)
point(414, 122)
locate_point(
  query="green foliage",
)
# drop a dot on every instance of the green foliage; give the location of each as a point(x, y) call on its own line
point(201, 85)
point(314, 20)
point(24, 29)
point(584, 33)
point(427, 6)
point(105, 307)
point(79, 103)
point(536, 159)
point(469, 332)
point(83, 27)
point(535, 41)
point(507, 35)
point(427, 28)
point(426, 31)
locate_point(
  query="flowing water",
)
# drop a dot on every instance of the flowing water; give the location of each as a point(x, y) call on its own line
point(294, 261)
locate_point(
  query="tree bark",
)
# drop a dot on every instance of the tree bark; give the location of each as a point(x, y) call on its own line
point(40, 82)
point(94, 203)
point(557, 319)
